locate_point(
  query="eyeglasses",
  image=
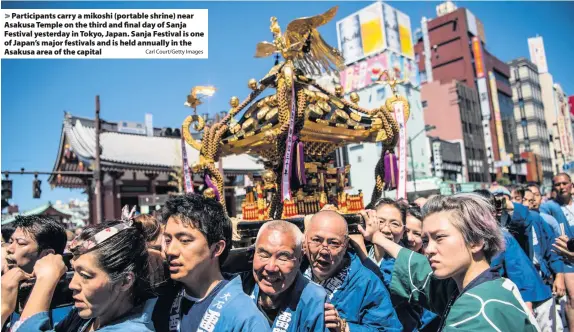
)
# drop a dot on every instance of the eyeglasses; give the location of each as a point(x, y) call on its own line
point(332, 244)
point(393, 224)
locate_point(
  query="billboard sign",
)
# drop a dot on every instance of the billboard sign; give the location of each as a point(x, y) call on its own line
point(480, 78)
point(498, 124)
point(563, 131)
point(483, 97)
point(475, 26)
point(478, 58)
point(349, 37)
point(372, 30)
point(537, 54)
point(405, 35)
point(131, 127)
point(366, 72)
point(471, 23)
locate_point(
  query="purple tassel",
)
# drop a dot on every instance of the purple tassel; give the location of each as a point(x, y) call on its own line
point(210, 184)
point(391, 171)
point(301, 164)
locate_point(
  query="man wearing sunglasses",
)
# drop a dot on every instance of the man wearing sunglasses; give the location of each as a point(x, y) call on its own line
point(357, 300)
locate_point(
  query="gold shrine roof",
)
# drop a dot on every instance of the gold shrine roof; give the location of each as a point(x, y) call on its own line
point(328, 119)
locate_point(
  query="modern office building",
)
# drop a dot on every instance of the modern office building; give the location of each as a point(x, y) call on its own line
point(452, 46)
point(565, 139)
point(532, 130)
point(454, 109)
point(556, 114)
point(373, 40)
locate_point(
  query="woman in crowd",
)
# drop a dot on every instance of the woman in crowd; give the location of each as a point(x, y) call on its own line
point(456, 280)
point(392, 217)
point(414, 229)
point(7, 232)
point(152, 230)
point(110, 283)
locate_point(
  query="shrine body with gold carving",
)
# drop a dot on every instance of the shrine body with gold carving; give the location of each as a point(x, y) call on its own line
point(296, 130)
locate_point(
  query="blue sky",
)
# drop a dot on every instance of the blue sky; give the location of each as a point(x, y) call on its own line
point(35, 93)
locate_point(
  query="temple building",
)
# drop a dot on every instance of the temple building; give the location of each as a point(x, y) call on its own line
point(47, 210)
point(140, 165)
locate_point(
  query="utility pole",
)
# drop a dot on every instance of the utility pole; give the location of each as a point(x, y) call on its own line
point(97, 171)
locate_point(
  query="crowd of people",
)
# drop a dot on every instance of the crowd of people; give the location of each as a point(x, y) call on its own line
point(500, 259)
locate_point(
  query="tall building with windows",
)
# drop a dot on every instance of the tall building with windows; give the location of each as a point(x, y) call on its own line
point(532, 130)
point(375, 39)
point(563, 138)
point(452, 46)
point(558, 123)
point(454, 109)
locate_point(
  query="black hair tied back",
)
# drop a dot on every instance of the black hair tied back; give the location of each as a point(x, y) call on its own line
point(123, 253)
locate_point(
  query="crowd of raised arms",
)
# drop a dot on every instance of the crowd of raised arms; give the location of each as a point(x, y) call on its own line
point(499, 259)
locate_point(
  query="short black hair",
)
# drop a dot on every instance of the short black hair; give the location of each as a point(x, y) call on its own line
point(122, 253)
point(533, 184)
point(415, 211)
point(399, 206)
point(205, 214)
point(48, 233)
point(7, 232)
point(486, 194)
point(519, 189)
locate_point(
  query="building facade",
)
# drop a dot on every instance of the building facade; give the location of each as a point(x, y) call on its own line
point(446, 160)
point(563, 128)
point(532, 131)
point(556, 114)
point(454, 109)
point(571, 105)
point(137, 168)
point(452, 47)
point(373, 40)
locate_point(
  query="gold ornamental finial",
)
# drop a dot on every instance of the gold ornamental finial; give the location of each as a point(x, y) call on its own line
point(252, 84)
point(339, 90)
point(391, 80)
point(197, 92)
point(234, 102)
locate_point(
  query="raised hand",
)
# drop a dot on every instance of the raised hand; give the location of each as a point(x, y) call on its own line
point(371, 224)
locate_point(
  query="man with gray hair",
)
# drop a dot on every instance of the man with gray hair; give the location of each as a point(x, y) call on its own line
point(288, 300)
point(357, 299)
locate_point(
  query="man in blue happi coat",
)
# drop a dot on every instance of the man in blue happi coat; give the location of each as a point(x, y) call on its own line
point(562, 209)
point(357, 298)
point(199, 297)
point(288, 300)
point(534, 199)
point(548, 265)
point(538, 238)
point(515, 265)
